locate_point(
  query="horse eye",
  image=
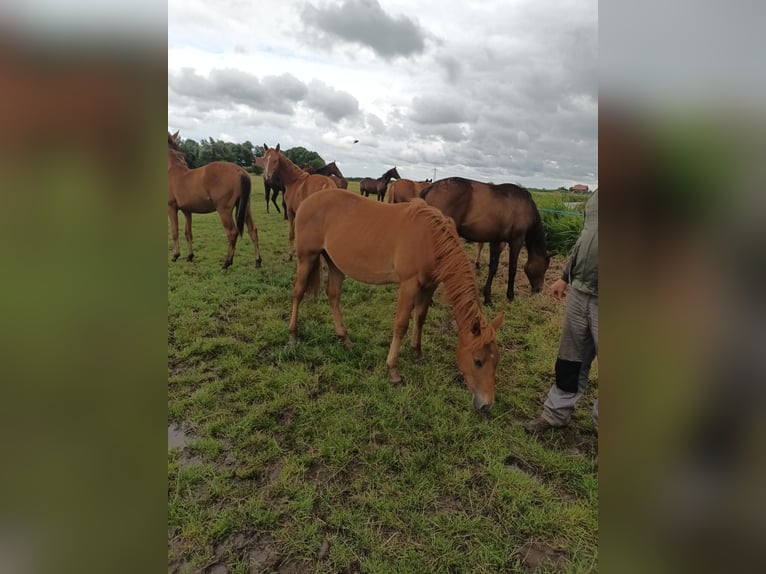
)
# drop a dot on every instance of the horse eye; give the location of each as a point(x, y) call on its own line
point(477, 362)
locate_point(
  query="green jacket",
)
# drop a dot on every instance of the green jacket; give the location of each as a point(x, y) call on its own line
point(581, 268)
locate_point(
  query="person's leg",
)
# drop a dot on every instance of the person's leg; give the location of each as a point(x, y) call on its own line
point(577, 349)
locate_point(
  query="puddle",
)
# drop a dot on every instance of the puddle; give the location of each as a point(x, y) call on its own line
point(177, 438)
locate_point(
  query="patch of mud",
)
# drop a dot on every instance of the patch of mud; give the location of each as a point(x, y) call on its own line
point(536, 554)
point(285, 417)
point(177, 438)
point(521, 465)
point(291, 566)
point(263, 554)
point(177, 564)
point(318, 473)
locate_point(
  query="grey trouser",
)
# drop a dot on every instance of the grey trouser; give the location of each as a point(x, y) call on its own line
point(577, 349)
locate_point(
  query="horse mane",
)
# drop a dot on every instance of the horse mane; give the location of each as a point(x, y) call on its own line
point(294, 172)
point(453, 269)
point(178, 154)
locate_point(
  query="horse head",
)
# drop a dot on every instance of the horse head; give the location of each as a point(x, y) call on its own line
point(477, 358)
point(173, 140)
point(535, 268)
point(271, 157)
point(392, 173)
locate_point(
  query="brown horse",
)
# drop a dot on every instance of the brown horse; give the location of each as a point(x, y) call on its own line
point(298, 184)
point(410, 244)
point(495, 213)
point(377, 186)
point(272, 187)
point(330, 170)
point(403, 190)
point(218, 186)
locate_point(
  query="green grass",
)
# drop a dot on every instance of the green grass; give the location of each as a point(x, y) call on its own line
point(293, 451)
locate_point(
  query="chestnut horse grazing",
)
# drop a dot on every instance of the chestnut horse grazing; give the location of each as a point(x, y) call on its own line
point(377, 186)
point(298, 184)
point(272, 187)
point(410, 244)
point(332, 171)
point(403, 190)
point(218, 186)
point(495, 213)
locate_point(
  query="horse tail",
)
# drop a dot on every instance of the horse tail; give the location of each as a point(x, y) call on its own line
point(423, 192)
point(242, 204)
point(314, 279)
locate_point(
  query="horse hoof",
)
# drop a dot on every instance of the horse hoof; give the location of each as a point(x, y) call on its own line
point(398, 383)
point(226, 264)
point(190, 257)
point(175, 257)
point(258, 262)
point(488, 302)
point(293, 341)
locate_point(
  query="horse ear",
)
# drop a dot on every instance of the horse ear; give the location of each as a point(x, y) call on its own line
point(265, 147)
point(277, 148)
point(476, 327)
point(497, 322)
point(175, 135)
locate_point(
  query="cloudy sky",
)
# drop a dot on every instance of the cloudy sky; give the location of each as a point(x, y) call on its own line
point(498, 90)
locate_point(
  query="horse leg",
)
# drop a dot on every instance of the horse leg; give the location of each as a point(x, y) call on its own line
point(173, 214)
point(284, 205)
point(494, 259)
point(514, 247)
point(252, 230)
point(188, 234)
point(404, 305)
point(335, 279)
point(291, 237)
point(422, 303)
point(268, 190)
point(305, 265)
point(478, 254)
point(274, 195)
point(231, 235)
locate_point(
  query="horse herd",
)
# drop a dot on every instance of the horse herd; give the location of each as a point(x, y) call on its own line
point(413, 240)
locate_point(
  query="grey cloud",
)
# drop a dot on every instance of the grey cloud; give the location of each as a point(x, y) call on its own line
point(278, 94)
point(274, 93)
point(364, 22)
point(452, 68)
point(436, 110)
point(334, 104)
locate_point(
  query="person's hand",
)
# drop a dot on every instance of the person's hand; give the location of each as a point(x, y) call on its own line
point(559, 289)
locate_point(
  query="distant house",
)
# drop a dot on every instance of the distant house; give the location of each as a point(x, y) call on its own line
point(579, 188)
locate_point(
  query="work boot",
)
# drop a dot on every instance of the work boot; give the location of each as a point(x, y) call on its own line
point(539, 425)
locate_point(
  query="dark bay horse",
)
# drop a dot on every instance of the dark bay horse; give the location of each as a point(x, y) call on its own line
point(410, 244)
point(218, 186)
point(272, 187)
point(377, 186)
point(485, 212)
point(298, 184)
point(330, 170)
point(403, 190)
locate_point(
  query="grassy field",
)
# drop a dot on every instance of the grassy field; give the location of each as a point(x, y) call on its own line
point(305, 459)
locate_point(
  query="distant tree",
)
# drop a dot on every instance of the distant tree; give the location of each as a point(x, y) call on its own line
point(190, 149)
point(300, 156)
point(209, 150)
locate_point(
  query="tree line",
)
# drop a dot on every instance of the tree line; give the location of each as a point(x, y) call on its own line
point(199, 153)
